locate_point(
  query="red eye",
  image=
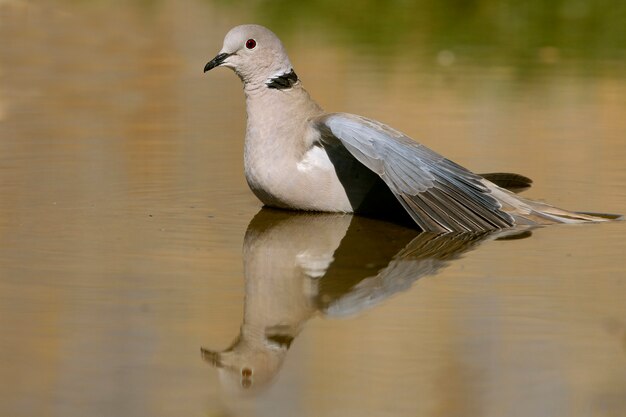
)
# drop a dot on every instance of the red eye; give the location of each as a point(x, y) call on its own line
point(250, 43)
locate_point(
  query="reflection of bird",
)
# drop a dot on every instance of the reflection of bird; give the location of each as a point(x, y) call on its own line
point(298, 157)
point(296, 264)
point(283, 253)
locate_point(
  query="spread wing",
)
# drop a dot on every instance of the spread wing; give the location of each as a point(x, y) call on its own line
point(440, 195)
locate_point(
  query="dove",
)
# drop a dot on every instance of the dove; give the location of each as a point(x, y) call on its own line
point(298, 157)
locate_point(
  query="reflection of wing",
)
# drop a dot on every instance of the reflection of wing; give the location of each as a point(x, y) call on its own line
point(387, 273)
point(440, 195)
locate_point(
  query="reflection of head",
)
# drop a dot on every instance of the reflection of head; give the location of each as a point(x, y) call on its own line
point(249, 363)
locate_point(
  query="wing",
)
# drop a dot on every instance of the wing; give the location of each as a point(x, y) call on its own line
point(440, 195)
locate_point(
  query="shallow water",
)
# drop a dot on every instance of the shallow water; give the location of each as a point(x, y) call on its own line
point(124, 211)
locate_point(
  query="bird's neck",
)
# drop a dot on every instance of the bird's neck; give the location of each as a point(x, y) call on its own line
point(278, 134)
point(277, 114)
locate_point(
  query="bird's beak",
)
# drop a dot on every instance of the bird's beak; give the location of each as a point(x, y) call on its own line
point(212, 357)
point(216, 62)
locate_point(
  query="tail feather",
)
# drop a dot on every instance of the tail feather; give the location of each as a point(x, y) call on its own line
point(509, 181)
point(529, 212)
point(607, 216)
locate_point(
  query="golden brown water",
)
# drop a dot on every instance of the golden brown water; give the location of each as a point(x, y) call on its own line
point(123, 211)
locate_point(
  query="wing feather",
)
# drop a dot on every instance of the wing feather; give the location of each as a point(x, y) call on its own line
point(440, 195)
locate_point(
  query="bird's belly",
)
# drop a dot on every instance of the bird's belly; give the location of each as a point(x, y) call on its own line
point(302, 192)
point(310, 183)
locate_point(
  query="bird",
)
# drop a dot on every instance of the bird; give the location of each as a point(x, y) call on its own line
point(298, 157)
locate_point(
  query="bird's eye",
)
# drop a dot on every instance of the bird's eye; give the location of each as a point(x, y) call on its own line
point(250, 43)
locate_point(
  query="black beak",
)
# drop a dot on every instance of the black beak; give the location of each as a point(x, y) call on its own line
point(216, 62)
point(212, 357)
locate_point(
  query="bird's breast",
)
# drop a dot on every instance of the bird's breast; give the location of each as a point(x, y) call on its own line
point(280, 179)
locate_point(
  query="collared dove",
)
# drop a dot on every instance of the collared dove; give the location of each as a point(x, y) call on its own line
point(298, 157)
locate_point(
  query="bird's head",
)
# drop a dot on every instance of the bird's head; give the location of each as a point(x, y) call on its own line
point(255, 53)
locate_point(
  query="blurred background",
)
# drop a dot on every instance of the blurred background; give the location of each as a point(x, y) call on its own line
point(123, 207)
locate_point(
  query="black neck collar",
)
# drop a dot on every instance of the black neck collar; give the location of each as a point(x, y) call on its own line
point(283, 81)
